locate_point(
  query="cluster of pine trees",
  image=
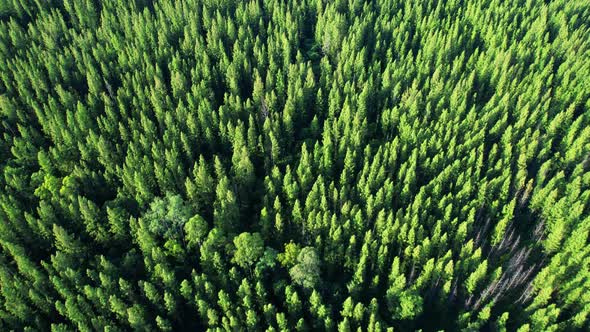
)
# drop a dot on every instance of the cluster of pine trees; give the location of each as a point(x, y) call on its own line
point(294, 165)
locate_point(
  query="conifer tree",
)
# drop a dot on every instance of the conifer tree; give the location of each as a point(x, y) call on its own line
point(310, 165)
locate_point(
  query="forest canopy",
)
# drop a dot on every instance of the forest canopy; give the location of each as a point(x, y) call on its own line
point(299, 165)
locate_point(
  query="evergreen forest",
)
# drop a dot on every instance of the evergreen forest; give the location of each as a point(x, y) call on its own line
point(295, 165)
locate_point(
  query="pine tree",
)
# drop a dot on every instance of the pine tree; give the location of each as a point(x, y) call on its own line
point(314, 165)
point(226, 211)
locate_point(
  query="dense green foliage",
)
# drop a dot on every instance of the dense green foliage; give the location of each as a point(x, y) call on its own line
point(294, 165)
